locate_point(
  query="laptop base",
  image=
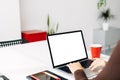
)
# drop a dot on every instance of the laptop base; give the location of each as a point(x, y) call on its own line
point(85, 64)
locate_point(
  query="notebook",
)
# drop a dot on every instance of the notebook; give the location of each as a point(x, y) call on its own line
point(68, 47)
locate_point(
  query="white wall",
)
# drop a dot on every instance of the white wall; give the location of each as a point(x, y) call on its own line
point(10, 28)
point(71, 15)
point(115, 8)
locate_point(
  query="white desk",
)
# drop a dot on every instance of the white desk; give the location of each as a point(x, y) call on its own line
point(21, 60)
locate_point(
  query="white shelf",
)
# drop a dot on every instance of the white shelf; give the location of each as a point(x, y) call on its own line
point(107, 38)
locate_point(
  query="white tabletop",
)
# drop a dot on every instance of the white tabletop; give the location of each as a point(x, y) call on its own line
point(21, 60)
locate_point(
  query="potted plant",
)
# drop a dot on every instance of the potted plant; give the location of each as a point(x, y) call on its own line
point(51, 29)
point(106, 15)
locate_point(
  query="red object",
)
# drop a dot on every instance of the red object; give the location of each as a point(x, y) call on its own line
point(34, 35)
point(44, 75)
point(95, 51)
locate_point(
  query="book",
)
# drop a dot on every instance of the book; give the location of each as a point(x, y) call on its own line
point(45, 75)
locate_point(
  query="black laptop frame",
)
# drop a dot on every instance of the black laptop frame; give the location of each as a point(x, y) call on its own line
point(80, 60)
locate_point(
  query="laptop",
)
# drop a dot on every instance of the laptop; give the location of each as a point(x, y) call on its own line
point(68, 47)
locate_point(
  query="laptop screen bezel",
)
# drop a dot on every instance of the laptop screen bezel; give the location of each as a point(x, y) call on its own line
point(55, 66)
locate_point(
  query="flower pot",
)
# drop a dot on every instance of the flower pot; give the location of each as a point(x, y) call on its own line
point(105, 26)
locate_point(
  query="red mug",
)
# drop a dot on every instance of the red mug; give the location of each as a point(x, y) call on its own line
point(95, 50)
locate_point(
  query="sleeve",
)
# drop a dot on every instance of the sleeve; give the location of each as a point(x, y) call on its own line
point(111, 70)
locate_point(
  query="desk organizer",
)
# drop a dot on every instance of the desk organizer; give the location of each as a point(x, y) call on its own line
point(34, 35)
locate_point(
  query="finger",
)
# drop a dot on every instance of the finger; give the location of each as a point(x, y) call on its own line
point(94, 67)
point(93, 64)
point(99, 70)
point(76, 63)
point(68, 65)
point(94, 58)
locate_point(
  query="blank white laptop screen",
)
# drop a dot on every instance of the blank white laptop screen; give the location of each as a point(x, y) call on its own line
point(66, 47)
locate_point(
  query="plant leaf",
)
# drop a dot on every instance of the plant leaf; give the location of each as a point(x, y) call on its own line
point(106, 15)
point(101, 3)
point(57, 27)
point(48, 21)
point(50, 32)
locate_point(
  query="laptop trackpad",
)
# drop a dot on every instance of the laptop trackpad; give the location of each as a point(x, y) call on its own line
point(89, 73)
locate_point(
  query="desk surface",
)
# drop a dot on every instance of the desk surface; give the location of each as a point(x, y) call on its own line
point(24, 59)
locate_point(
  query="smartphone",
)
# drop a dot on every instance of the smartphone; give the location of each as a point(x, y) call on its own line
point(45, 75)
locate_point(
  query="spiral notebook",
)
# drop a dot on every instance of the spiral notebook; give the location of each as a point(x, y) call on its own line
point(10, 43)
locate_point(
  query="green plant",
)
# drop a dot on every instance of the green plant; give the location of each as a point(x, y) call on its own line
point(106, 15)
point(101, 3)
point(51, 29)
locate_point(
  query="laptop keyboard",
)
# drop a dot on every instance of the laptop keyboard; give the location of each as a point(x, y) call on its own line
point(65, 68)
point(85, 64)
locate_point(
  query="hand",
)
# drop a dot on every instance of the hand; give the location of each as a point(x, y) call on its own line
point(97, 65)
point(74, 66)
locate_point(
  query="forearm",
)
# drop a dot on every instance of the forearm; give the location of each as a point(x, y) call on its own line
point(80, 75)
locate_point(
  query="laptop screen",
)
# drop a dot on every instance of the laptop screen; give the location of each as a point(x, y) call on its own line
point(66, 47)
